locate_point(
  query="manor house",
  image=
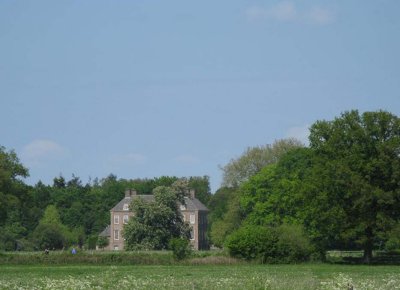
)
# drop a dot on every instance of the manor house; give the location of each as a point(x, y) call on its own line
point(193, 212)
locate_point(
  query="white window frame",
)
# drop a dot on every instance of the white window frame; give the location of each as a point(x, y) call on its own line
point(192, 218)
point(125, 219)
point(125, 207)
point(182, 207)
point(116, 219)
point(116, 235)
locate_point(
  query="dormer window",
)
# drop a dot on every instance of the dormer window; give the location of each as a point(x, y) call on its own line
point(182, 207)
point(126, 206)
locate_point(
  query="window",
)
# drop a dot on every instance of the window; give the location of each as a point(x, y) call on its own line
point(191, 234)
point(126, 206)
point(116, 235)
point(116, 248)
point(126, 218)
point(182, 207)
point(192, 218)
point(116, 219)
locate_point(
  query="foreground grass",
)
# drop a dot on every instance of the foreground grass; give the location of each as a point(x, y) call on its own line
point(305, 276)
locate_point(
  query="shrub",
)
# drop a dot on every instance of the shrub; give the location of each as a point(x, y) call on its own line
point(293, 244)
point(180, 248)
point(284, 244)
point(48, 236)
point(252, 242)
point(102, 242)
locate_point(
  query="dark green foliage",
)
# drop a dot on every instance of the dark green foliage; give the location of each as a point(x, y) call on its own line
point(15, 201)
point(48, 236)
point(344, 189)
point(102, 242)
point(252, 242)
point(230, 221)
point(180, 248)
point(293, 244)
point(360, 157)
point(224, 216)
point(393, 239)
point(91, 242)
point(201, 185)
point(284, 244)
point(82, 209)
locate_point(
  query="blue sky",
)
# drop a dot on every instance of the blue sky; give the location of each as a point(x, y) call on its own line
point(149, 88)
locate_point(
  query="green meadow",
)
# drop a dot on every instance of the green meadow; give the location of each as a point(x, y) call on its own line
point(240, 276)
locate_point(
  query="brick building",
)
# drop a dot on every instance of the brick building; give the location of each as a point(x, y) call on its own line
point(193, 211)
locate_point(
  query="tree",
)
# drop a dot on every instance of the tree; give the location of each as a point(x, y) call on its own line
point(10, 185)
point(359, 155)
point(218, 204)
point(180, 248)
point(254, 159)
point(51, 233)
point(102, 242)
point(229, 219)
point(14, 200)
point(156, 222)
point(201, 186)
point(293, 192)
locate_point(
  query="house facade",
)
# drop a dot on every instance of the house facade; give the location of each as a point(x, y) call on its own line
point(193, 212)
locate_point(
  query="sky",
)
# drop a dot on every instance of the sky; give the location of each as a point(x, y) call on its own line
point(142, 89)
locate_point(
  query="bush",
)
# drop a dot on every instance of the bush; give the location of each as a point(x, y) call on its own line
point(293, 244)
point(180, 248)
point(102, 242)
point(284, 244)
point(393, 241)
point(48, 236)
point(91, 242)
point(252, 242)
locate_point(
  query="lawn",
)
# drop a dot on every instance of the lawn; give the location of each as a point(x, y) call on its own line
point(305, 276)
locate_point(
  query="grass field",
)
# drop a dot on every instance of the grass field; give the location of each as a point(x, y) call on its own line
point(305, 276)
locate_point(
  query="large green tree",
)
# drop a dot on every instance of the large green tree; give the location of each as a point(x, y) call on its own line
point(360, 156)
point(292, 192)
point(15, 201)
point(156, 222)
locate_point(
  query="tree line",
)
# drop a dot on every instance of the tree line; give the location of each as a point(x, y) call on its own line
point(68, 212)
point(280, 202)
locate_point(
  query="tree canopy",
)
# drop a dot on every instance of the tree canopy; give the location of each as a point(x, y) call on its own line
point(156, 222)
point(361, 154)
point(344, 189)
point(254, 159)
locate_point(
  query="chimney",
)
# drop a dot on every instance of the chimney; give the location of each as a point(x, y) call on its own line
point(192, 193)
point(130, 192)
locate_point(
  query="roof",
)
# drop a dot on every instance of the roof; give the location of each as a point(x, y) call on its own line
point(105, 232)
point(194, 204)
point(127, 200)
point(191, 203)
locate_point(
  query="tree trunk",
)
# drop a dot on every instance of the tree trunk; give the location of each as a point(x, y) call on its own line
point(368, 247)
point(367, 255)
